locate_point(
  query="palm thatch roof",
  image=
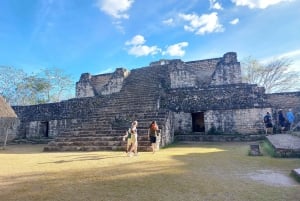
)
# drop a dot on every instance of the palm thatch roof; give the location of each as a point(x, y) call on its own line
point(5, 109)
point(7, 114)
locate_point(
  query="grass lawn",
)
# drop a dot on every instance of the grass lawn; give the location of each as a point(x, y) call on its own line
point(203, 171)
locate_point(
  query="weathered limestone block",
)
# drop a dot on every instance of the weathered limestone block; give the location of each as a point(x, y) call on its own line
point(243, 121)
point(182, 78)
point(228, 70)
point(254, 150)
point(103, 84)
point(84, 87)
point(182, 122)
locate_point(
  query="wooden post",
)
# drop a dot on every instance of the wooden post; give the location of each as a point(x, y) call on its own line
point(6, 135)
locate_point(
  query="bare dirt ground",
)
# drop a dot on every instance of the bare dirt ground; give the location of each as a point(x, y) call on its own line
point(203, 171)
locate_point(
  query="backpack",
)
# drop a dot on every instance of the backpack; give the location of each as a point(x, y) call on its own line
point(267, 119)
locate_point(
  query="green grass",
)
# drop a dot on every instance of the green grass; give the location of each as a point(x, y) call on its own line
point(203, 171)
point(268, 149)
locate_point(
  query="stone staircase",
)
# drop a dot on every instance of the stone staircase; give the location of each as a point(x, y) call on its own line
point(203, 137)
point(105, 124)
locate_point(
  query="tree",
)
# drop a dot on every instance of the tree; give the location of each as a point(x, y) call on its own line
point(32, 90)
point(10, 78)
point(61, 84)
point(50, 85)
point(274, 76)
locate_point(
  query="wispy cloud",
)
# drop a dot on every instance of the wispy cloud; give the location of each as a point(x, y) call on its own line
point(215, 5)
point(115, 8)
point(200, 25)
point(262, 4)
point(234, 21)
point(169, 21)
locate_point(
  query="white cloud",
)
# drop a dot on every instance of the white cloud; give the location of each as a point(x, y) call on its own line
point(115, 8)
point(169, 21)
point(215, 5)
point(262, 4)
point(176, 49)
point(206, 23)
point(234, 21)
point(138, 48)
point(136, 40)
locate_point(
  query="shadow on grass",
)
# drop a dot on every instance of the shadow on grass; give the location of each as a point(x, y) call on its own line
point(85, 158)
point(182, 172)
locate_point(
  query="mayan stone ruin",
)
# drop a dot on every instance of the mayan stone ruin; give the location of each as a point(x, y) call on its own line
point(191, 101)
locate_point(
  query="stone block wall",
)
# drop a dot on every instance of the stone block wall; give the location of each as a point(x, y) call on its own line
point(54, 116)
point(182, 122)
point(84, 88)
point(215, 98)
point(102, 84)
point(242, 121)
point(218, 71)
point(168, 130)
point(228, 70)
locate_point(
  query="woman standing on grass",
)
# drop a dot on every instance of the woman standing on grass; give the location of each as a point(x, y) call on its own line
point(152, 135)
point(128, 137)
point(134, 142)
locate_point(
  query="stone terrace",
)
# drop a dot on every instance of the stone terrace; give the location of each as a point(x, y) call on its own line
point(285, 145)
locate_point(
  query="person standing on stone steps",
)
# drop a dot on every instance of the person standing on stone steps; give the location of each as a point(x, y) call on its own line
point(152, 135)
point(134, 142)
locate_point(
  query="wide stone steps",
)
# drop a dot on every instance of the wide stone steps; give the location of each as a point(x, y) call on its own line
point(83, 144)
point(83, 133)
point(103, 126)
point(92, 148)
point(94, 143)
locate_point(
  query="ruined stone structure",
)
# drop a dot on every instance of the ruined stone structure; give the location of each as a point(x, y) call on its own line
point(8, 122)
point(194, 100)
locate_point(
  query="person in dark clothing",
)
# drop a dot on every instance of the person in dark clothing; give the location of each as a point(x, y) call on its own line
point(281, 120)
point(268, 123)
point(152, 135)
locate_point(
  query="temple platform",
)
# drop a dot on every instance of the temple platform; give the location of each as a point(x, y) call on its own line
point(285, 145)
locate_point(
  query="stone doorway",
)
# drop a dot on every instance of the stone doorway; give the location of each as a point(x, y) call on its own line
point(44, 129)
point(198, 122)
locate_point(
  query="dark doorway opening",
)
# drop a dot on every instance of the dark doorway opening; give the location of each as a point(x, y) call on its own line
point(44, 129)
point(198, 122)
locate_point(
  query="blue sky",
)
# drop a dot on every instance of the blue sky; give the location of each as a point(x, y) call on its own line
point(97, 36)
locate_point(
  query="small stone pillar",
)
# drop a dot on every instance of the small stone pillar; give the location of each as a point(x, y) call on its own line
point(254, 150)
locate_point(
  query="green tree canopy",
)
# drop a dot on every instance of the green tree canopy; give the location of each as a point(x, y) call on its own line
point(49, 85)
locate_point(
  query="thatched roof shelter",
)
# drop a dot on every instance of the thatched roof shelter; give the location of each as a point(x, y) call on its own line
point(8, 119)
point(7, 114)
